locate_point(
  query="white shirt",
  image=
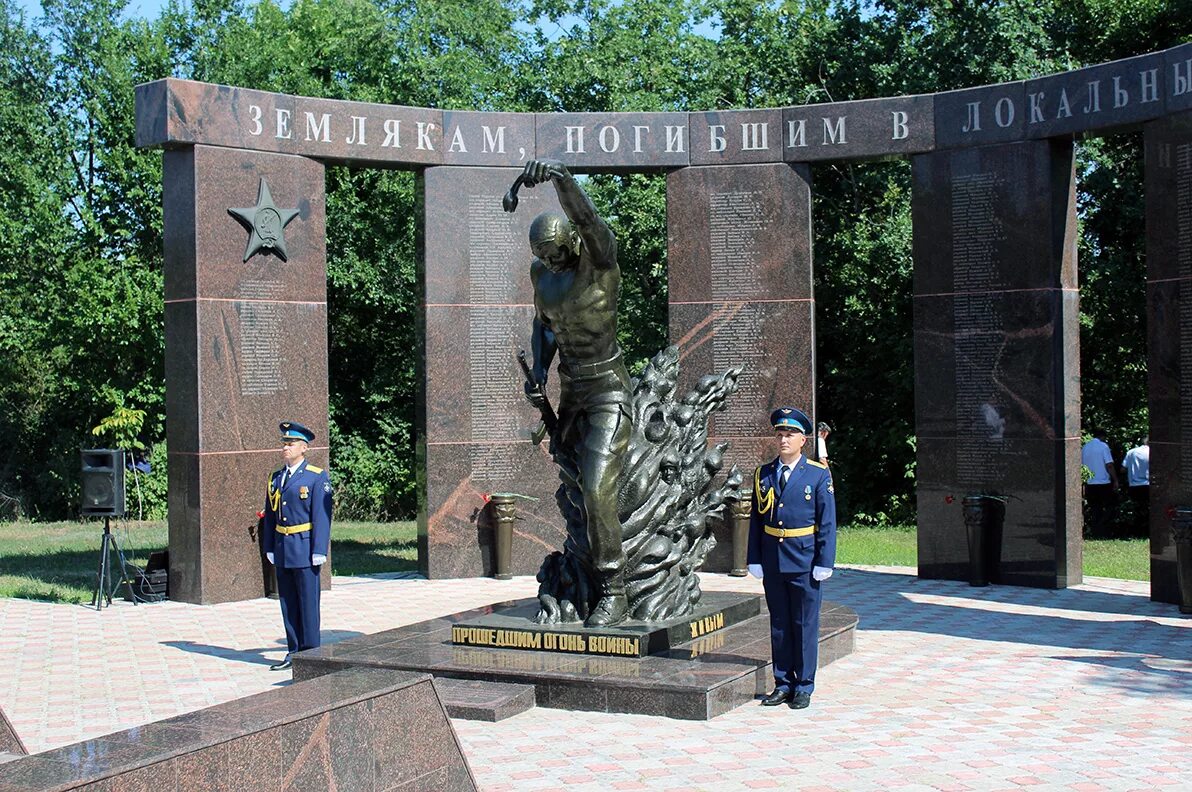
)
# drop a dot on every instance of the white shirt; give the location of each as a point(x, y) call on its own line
point(823, 448)
point(1095, 456)
point(1137, 465)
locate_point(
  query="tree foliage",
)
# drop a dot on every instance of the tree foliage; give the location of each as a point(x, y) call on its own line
point(81, 324)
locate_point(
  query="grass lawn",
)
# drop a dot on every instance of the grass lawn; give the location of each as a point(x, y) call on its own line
point(1128, 559)
point(58, 561)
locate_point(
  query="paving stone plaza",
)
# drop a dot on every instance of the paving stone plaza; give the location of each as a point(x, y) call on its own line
point(949, 688)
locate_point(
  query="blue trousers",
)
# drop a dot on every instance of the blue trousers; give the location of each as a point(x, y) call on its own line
point(298, 591)
point(794, 604)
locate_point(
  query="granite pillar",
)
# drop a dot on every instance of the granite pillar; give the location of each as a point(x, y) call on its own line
point(740, 294)
point(996, 334)
point(246, 347)
point(474, 422)
point(1168, 144)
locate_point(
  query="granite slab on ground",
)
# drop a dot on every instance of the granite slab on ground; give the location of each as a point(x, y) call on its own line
point(693, 680)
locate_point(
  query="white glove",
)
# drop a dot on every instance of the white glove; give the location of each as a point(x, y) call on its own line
point(821, 573)
point(270, 557)
point(756, 570)
point(319, 559)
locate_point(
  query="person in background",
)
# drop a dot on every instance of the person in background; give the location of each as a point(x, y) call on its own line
point(1137, 466)
point(297, 535)
point(1101, 488)
point(823, 430)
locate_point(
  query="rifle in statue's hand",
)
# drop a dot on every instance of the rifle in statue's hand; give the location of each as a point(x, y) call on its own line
point(549, 419)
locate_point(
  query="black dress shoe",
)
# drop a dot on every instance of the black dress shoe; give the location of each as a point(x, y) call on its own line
point(282, 666)
point(777, 697)
point(800, 701)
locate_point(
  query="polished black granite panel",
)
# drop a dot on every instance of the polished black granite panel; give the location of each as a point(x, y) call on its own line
point(996, 328)
point(359, 729)
point(1168, 144)
point(511, 626)
point(696, 680)
point(1104, 96)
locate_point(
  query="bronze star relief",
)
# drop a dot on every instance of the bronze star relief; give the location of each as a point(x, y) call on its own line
point(266, 224)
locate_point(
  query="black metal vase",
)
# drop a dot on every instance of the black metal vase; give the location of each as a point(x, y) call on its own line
point(1181, 529)
point(983, 519)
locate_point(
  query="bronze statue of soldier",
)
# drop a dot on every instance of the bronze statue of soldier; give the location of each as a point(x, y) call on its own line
point(576, 284)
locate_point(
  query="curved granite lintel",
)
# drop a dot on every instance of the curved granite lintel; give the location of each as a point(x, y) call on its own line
point(1108, 96)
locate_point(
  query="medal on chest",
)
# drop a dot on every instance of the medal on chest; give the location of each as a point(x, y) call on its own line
point(304, 492)
point(807, 492)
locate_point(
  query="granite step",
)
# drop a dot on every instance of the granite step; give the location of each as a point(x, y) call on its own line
point(8, 757)
point(482, 700)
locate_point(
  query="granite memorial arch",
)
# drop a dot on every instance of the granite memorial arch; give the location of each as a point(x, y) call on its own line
point(995, 296)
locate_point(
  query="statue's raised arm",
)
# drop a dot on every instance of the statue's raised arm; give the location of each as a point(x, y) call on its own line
point(597, 237)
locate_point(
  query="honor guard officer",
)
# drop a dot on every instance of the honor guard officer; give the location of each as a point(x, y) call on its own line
point(792, 548)
point(297, 534)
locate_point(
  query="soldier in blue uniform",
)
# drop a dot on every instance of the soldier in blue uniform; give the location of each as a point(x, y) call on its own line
point(792, 548)
point(297, 535)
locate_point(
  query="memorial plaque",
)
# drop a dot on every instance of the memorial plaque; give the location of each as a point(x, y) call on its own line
point(996, 358)
point(246, 347)
point(980, 116)
point(476, 138)
point(1169, 336)
point(1098, 97)
point(476, 423)
point(735, 137)
point(1177, 70)
point(858, 130)
point(615, 141)
point(739, 255)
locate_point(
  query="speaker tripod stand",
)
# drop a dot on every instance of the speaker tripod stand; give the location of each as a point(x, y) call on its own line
point(105, 585)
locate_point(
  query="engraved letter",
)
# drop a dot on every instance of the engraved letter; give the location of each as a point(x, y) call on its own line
point(1179, 85)
point(901, 130)
point(755, 137)
point(1120, 97)
point(796, 136)
point(315, 129)
point(1036, 109)
point(835, 133)
point(493, 143)
point(357, 135)
point(1093, 105)
point(716, 140)
point(283, 124)
point(457, 140)
point(973, 124)
point(637, 137)
point(1065, 109)
point(575, 139)
point(254, 113)
point(1004, 102)
point(1150, 85)
point(424, 130)
point(674, 138)
point(605, 145)
point(392, 133)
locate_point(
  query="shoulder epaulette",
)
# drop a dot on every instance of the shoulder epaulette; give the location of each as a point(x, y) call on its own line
point(820, 465)
point(314, 469)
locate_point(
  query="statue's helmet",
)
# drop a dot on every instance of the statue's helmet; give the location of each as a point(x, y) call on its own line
point(552, 239)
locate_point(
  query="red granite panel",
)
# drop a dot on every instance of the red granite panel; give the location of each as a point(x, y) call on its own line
point(858, 130)
point(476, 138)
point(735, 137)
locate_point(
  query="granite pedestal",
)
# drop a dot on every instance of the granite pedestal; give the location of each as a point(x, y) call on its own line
point(694, 680)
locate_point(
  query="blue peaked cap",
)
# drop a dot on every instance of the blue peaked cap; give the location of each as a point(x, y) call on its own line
point(292, 430)
point(791, 418)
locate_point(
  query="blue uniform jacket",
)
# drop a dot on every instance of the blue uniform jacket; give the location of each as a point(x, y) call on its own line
point(808, 500)
point(298, 518)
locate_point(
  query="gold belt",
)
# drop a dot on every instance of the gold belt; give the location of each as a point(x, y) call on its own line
point(786, 533)
point(293, 529)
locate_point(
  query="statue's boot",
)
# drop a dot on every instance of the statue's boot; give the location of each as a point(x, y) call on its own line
point(613, 606)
